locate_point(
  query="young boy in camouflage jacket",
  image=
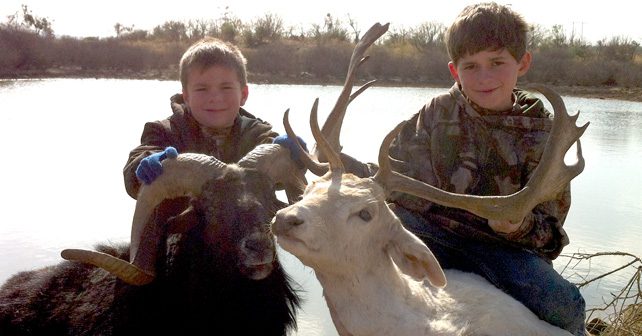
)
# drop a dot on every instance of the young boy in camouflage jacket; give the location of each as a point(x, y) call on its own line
point(485, 137)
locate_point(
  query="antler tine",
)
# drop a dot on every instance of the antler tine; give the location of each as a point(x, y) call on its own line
point(315, 167)
point(552, 172)
point(385, 173)
point(333, 157)
point(332, 127)
point(361, 89)
point(548, 179)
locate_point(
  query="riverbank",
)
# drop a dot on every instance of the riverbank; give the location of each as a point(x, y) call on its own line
point(599, 92)
point(602, 92)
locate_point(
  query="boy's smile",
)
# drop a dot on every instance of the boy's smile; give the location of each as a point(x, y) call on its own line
point(214, 95)
point(489, 76)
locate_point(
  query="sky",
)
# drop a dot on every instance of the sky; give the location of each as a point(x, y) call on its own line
point(83, 18)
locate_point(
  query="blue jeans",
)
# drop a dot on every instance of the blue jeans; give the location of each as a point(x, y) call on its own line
point(525, 276)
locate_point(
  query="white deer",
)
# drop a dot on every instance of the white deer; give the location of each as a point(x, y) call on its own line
point(373, 271)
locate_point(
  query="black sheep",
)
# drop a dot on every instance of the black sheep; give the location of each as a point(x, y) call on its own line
point(219, 277)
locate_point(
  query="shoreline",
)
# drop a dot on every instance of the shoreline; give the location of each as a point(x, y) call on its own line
point(601, 92)
point(633, 94)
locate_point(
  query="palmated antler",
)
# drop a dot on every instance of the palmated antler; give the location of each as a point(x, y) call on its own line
point(548, 179)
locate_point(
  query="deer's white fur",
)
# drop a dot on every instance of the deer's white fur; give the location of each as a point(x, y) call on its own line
point(380, 279)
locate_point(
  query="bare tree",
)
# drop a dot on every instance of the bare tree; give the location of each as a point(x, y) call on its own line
point(618, 48)
point(197, 29)
point(268, 28)
point(171, 31)
point(332, 30)
point(122, 29)
point(536, 36)
point(427, 36)
point(26, 20)
point(355, 29)
point(230, 27)
point(557, 36)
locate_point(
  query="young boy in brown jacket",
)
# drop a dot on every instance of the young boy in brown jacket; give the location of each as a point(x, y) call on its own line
point(207, 118)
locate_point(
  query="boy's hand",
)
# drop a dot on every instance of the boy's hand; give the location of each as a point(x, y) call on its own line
point(150, 167)
point(289, 143)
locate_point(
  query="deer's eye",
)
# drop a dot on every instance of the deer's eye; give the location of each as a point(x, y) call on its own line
point(365, 215)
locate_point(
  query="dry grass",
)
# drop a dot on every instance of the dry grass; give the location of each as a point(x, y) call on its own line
point(621, 311)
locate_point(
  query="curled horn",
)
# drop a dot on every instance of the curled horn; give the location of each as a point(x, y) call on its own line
point(317, 168)
point(334, 164)
point(184, 175)
point(275, 161)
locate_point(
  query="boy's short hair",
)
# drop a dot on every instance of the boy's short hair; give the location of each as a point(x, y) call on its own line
point(209, 52)
point(487, 26)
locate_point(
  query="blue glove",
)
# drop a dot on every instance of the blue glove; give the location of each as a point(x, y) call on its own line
point(150, 167)
point(295, 153)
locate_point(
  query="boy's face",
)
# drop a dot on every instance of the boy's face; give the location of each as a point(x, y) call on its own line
point(214, 95)
point(488, 77)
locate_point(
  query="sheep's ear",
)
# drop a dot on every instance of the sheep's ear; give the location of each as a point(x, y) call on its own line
point(414, 258)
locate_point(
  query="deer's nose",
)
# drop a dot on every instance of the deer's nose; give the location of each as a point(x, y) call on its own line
point(284, 221)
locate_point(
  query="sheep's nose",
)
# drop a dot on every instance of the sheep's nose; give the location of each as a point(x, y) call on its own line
point(257, 245)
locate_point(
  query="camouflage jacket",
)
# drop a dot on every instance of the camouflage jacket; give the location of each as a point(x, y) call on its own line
point(451, 145)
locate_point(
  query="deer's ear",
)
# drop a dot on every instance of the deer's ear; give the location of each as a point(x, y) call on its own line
point(414, 258)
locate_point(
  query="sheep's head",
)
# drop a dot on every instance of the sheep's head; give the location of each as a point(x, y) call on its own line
point(194, 175)
point(236, 231)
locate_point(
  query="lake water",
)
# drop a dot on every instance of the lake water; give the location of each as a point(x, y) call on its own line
point(65, 142)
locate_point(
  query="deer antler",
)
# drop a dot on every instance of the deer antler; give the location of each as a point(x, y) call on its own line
point(332, 127)
point(547, 180)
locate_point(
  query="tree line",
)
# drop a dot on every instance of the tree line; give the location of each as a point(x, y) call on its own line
point(318, 53)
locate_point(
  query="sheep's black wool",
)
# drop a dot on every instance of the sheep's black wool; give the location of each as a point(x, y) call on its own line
point(201, 286)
